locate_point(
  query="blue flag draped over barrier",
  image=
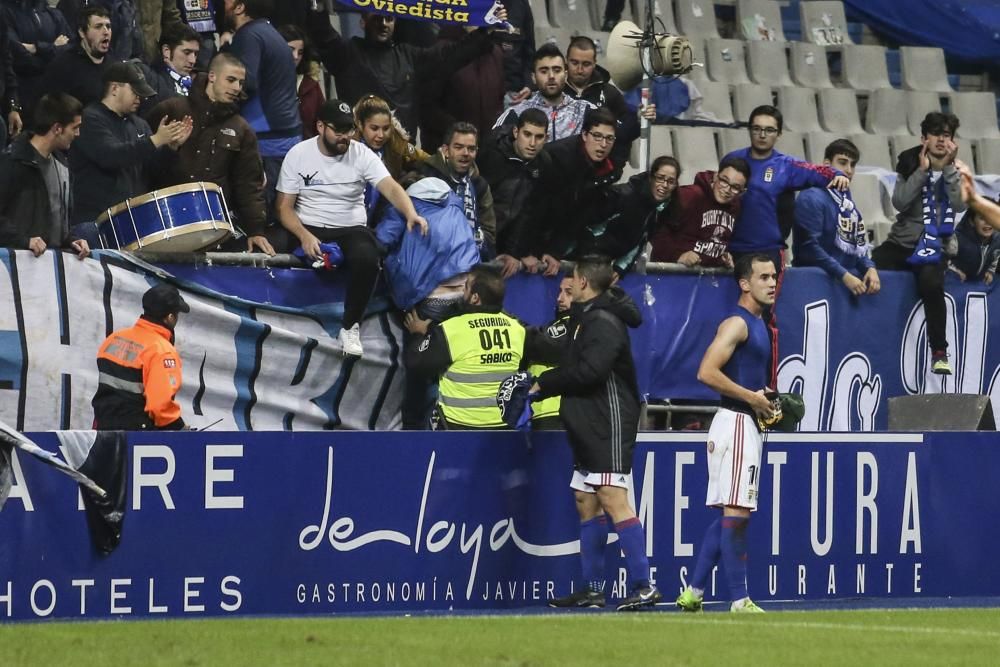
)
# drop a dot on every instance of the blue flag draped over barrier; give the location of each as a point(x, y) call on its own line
point(260, 350)
point(461, 12)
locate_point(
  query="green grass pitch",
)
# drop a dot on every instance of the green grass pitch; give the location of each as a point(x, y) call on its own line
point(870, 637)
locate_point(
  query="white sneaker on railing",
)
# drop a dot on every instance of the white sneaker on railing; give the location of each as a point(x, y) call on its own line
point(350, 341)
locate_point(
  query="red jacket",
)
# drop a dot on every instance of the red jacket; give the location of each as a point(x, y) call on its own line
point(310, 100)
point(695, 221)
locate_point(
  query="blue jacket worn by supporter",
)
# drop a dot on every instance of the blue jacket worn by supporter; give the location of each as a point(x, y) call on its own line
point(820, 239)
point(273, 107)
point(757, 227)
point(416, 264)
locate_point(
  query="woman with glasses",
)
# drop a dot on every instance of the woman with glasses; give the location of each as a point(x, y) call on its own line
point(637, 208)
point(701, 217)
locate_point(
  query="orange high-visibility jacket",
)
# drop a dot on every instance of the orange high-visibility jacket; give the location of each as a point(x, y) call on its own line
point(140, 373)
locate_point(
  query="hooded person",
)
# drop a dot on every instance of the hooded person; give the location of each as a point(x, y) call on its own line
point(428, 272)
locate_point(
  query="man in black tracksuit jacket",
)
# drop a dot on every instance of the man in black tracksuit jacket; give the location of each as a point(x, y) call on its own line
point(600, 410)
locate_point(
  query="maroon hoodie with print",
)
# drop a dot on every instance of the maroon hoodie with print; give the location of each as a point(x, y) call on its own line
point(695, 221)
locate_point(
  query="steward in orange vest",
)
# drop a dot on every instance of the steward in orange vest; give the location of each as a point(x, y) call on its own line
point(140, 370)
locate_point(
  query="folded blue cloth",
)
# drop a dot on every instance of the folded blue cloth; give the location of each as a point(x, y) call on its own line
point(514, 400)
point(333, 256)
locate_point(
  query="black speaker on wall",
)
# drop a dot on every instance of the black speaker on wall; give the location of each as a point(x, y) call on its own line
point(941, 412)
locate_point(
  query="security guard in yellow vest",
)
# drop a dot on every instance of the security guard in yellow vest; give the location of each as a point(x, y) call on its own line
point(471, 352)
point(545, 413)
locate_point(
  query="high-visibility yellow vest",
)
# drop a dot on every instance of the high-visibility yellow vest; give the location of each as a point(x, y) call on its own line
point(485, 348)
point(548, 407)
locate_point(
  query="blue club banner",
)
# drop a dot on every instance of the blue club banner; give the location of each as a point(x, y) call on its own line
point(260, 351)
point(462, 12)
point(239, 523)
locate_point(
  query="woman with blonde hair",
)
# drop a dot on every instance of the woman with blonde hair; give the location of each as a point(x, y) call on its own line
point(379, 129)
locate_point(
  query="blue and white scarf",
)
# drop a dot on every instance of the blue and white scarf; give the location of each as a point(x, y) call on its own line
point(852, 237)
point(936, 225)
point(465, 189)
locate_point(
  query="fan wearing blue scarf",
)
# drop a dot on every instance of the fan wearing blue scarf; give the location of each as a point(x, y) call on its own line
point(179, 48)
point(927, 196)
point(829, 230)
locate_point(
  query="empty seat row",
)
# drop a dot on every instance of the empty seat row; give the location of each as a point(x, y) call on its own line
point(862, 67)
point(888, 112)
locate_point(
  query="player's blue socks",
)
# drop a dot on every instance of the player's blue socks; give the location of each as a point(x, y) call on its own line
point(708, 555)
point(633, 544)
point(593, 540)
point(734, 554)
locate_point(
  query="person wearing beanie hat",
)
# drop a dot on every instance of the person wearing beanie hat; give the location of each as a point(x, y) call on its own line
point(139, 368)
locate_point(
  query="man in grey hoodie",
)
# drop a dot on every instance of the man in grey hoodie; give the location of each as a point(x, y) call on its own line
point(927, 197)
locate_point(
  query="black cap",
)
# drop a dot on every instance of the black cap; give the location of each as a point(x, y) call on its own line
point(337, 114)
point(131, 74)
point(163, 300)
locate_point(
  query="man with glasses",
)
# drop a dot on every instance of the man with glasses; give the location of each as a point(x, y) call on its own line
point(772, 176)
point(578, 187)
point(321, 199)
point(701, 217)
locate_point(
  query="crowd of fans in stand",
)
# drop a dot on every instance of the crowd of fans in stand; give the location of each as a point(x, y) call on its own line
point(105, 100)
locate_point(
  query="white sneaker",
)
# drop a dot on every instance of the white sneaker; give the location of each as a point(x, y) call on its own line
point(350, 341)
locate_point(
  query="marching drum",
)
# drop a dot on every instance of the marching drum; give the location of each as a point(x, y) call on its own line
point(182, 218)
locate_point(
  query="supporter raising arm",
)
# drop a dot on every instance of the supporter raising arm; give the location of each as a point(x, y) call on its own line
point(987, 209)
point(379, 65)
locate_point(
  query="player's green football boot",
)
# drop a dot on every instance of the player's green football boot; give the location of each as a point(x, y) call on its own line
point(745, 606)
point(688, 601)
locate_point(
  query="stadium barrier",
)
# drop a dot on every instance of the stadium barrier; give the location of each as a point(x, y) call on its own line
point(259, 347)
point(243, 523)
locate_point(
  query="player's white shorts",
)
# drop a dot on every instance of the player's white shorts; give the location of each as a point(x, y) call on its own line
point(734, 453)
point(586, 481)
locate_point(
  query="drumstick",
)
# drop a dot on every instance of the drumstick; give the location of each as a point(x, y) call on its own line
point(205, 428)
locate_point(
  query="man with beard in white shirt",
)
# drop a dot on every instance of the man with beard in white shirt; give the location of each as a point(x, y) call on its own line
point(321, 198)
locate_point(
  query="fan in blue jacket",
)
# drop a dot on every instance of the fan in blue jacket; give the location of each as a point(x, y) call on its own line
point(416, 264)
point(829, 231)
point(772, 174)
